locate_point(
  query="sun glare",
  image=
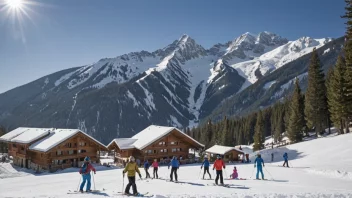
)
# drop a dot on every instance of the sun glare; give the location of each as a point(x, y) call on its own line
point(14, 4)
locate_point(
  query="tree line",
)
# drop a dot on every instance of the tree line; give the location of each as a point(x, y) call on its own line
point(326, 102)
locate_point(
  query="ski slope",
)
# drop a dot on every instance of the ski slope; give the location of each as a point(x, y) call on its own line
point(320, 168)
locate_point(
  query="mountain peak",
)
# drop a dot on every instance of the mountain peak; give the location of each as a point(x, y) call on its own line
point(183, 38)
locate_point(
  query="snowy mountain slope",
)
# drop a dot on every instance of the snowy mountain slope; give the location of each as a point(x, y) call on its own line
point(272, 60)
point(277, 84)
point(177, 85)
point(301, 180)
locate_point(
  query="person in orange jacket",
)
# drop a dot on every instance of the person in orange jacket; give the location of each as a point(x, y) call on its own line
point(219, 164)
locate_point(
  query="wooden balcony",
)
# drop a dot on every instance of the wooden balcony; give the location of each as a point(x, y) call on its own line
point(73, 156)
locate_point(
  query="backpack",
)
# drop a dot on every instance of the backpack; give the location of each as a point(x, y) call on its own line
point(84, 167)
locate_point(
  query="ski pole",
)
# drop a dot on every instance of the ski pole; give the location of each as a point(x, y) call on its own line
point(226, 173)
point(94, 182)
point(80, 177)
point(200, 171)
point(123, 183)
point(269, 173)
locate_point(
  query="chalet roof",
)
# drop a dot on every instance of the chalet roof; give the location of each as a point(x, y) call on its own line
point(217, 149)
point(148, 136)
point(124, 143)
point(25, 135)
point(56, 137)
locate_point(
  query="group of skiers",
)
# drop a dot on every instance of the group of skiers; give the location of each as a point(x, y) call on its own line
point(131, 169)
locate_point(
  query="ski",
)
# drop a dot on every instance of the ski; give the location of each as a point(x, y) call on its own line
point(224, 185)
point(138, 195)
point(78, 192)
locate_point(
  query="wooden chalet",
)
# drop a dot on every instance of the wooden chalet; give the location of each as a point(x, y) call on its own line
point(155, 142)
point(228, 153)
point(51, 149)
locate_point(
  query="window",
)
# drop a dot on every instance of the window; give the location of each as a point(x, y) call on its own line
point(82, 151)
point(174, 143)
point(58, 152)
point(162, 143)
point(165, 150)
point(154, 151)
point(173, 150)
point(41, 155)
point(161, 150)
point(146, 151)
point(22, 148)
point(68, 145)
point(14, 145)
point(70, 152)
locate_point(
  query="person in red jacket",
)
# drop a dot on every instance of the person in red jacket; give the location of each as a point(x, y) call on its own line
point(219, 165)
point(85, 172)
point(155, 165)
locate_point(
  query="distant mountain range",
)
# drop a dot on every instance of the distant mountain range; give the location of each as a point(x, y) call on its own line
point(178, 85)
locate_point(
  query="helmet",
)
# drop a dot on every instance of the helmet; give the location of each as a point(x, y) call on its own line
point(259, 155)
point(205, 156)
point(87, 159)
point(218, 156)
point(131, 159)
point(155, 160)
point(174, 157)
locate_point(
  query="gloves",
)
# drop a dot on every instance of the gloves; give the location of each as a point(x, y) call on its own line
point(201, 167)
point(140, 176)
point(263, 165)
point(255, 166)
point(224, 167)
point(95, 172)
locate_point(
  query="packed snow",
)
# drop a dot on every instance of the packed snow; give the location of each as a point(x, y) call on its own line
point(319, 168)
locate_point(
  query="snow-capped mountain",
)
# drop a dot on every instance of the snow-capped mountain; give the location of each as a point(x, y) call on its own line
point(177, 85)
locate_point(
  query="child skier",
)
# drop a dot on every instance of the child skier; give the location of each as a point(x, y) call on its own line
point(85, 172)
point(285, 156)
point(234, 174)
point(219, 165)
point(206, 165)
point(174, 166)
point(258, 162)
point(131, 169)
point(146, 168)
point(155, 165)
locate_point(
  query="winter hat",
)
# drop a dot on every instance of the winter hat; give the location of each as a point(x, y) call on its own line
point(87, 159)
point(131, 159)
point(174, 157)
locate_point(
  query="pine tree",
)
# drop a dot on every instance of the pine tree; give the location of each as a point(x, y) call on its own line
point(315, 98)
point(336, 93)
point(3, 145)
point(348, 62)
point(259, 133)
point(296, 121)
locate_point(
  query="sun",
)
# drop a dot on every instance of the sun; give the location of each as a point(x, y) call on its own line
point(14, 4)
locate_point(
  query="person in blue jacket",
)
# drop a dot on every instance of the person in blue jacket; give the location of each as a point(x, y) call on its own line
point(258, 163)
point(285, 156)
point(146, 168)
point(174, 166)
point(206, 165)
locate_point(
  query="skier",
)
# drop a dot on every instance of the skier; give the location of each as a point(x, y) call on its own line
point(174, 166)
point(146, 168)
point(258, 162)
point(219, 165)
point(286, 160)
point(85, 172)
point(234, 174)
point(131, 169)
point(272, 157)
point(155, 166)
point(206, 165)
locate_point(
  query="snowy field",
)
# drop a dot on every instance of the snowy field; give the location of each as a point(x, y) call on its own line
point(320, 168)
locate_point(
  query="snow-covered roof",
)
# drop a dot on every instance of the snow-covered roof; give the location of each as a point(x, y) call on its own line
point(147, 137)
point(25, 135)
point(12, 134)
point(30, 135)
point(153, 133)
point(217, 149)
point(124, 143)
point(56, 137)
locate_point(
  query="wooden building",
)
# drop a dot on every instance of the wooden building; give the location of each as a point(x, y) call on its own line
point(155, 142)
point(228, 153)
point(51, 149)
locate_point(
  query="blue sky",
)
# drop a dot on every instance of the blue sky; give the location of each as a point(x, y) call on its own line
point(67, 33)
